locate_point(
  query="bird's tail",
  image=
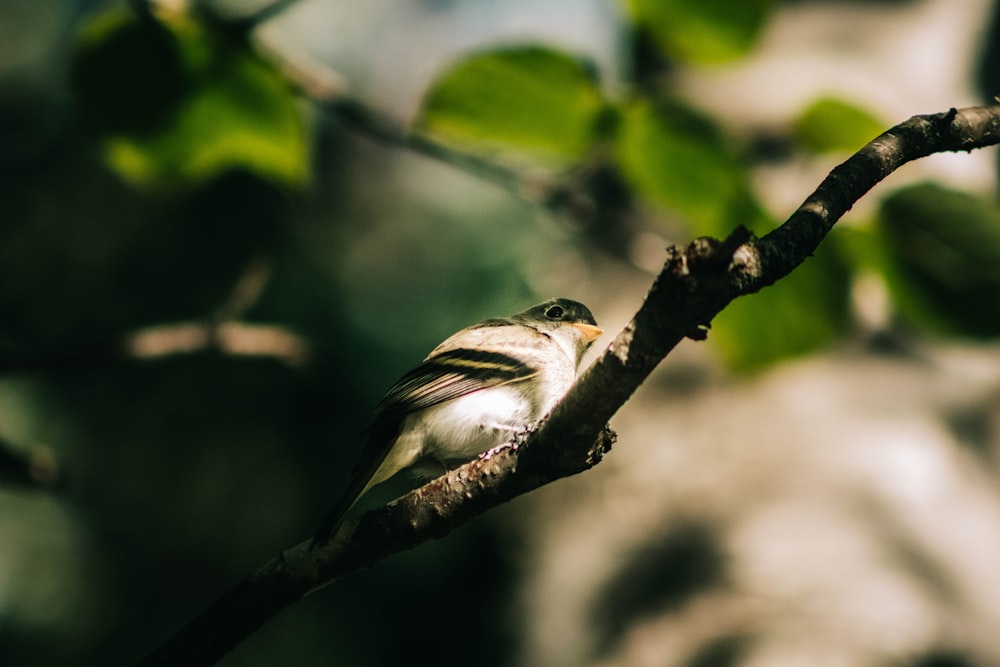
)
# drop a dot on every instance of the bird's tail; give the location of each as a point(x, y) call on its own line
point(366, 475)
point(335, 518)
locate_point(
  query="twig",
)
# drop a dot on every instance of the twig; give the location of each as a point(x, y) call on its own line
point(383, 129)
point(263, 14)
point(696, 283)
point(247, 289)
point(235, 339)
point(220, 333)
point(328, 90)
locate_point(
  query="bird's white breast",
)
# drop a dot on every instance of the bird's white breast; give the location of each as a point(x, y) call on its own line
point(463, 428)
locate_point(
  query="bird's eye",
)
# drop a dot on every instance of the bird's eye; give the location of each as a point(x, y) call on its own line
point(554, 312)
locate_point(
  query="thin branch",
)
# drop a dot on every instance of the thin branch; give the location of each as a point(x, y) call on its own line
point(220, 333)
point(696, 283)
point(263, 14)
point(230, 338)
point(234, 339)
point(954, 130)
point(326, 88)
point(383, 129)
point(247, 290)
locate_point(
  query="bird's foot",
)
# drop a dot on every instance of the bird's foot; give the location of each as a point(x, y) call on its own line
point(519, 437)
point(493, 451)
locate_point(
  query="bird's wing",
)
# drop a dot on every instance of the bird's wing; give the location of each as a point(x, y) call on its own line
point(451, 374)
point(445, 375)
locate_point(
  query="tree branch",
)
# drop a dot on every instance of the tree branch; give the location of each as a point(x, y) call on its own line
point(696, 283)
point(220, 333)
point(229, 338)
point(327, 89)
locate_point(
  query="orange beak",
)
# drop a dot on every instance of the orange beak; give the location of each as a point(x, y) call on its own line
point(590, 332)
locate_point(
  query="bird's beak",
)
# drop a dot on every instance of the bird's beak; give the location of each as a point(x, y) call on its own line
point(590, 332)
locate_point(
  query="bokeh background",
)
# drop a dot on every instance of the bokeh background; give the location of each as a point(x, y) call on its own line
point(208, 277)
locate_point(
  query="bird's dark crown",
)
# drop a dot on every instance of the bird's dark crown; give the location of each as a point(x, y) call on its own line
point(558, 310)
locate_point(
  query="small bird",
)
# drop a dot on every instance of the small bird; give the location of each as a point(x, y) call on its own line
point(472, 393)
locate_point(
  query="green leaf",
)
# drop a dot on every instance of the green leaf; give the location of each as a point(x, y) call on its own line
point(680, 160)
point(834, 125)
point(177, 103)
point(797, 315)
point(943, 248)
point(529, 100)
point(706, 31)
point(127, 76)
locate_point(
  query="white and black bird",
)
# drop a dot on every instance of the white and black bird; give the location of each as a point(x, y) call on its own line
point(473, 392)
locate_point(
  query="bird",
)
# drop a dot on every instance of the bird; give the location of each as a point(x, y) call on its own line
point(472, 393)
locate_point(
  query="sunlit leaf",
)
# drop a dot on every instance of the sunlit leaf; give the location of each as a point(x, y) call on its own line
point(944, 249)
point(705, 31)
point(680, 160)
point(529, 100)
point(835, 125)
point(797, 315)
point(177, 104)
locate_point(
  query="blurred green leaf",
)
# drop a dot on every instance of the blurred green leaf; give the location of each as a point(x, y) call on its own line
point(127, 76)
point(795, 316)
point(943, 250)
point(706, 31)
point(679, 159)
point(530, 100)
point(835, 125)
point(177, 103)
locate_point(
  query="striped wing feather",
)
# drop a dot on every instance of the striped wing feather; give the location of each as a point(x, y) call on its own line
point(440, 378)
point(452, 374)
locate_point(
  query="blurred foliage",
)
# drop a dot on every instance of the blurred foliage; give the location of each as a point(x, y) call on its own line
point(830, 124)
point(178, 103)
point(707, 31)
point(184, 158)
point(943, 259)
point(802, 313)
point(531, 99)
point(711, 192)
